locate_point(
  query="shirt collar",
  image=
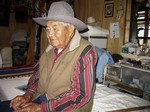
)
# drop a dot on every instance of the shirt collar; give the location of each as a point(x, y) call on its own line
point(75, 41)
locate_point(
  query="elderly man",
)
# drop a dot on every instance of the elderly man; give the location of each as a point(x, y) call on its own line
point(65, 79)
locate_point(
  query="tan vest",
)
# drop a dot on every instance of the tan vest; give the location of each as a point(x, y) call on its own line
point(55, 81)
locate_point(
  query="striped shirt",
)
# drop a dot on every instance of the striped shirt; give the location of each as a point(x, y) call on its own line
point(80, 89)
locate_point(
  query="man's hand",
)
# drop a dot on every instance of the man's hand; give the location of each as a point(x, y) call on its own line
point(19, 101)
point(30, 107)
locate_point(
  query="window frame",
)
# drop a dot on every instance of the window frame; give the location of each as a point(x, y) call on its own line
point(135, 22)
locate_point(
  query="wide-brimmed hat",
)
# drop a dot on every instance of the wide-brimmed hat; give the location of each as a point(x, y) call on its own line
point(63, 12)
point(91, 20)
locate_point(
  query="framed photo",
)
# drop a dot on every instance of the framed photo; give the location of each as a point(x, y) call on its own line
point(109, 9)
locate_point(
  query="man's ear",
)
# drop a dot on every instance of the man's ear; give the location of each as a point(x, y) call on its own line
point(71, 29)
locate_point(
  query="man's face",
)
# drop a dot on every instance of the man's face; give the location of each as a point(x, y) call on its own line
point(58, 34)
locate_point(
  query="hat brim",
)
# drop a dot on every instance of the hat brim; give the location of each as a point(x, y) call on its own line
point(67, 19)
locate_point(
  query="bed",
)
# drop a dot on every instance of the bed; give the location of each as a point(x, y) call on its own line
point(10, 87)
point(105, 99)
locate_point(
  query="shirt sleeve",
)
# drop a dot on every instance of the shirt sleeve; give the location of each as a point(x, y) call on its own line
point(33, 82)
point(81, 87)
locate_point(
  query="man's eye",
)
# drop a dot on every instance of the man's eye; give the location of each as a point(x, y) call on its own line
point(54, 29)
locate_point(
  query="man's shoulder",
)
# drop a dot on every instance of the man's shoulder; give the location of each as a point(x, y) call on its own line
point(85, 42)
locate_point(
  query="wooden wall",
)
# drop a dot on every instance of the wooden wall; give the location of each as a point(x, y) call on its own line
point(96, 8)
point(6, 32)
point(83, 9)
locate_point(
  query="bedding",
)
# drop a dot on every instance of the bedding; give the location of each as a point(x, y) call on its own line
point(105, 99)
point(9, 87)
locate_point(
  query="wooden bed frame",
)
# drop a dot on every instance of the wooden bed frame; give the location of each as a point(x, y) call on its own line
point(133, 109)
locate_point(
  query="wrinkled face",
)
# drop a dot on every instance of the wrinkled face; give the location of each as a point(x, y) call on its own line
point(59, 33)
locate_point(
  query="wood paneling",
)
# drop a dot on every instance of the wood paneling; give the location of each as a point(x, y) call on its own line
point(4, 37)
point(84, 9)
point(6, 32)
point(128, 16)
point(96, 8)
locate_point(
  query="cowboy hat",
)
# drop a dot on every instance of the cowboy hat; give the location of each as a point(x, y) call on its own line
point(91, 20)
point(63, 12)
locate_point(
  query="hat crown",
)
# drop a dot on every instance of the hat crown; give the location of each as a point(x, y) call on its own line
point(60, 8)
point(91, 19)
point(63, 12)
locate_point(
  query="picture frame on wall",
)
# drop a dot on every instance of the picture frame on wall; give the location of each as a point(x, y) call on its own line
point(109, 9)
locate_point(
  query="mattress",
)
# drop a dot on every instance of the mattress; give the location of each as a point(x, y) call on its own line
point(105, 99)
point(9, 87)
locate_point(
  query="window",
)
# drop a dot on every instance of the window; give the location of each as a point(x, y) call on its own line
point(140, 22)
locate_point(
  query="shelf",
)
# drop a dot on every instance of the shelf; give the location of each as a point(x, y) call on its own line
point(125, 87)
point(130, 90)
point(134, 57)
